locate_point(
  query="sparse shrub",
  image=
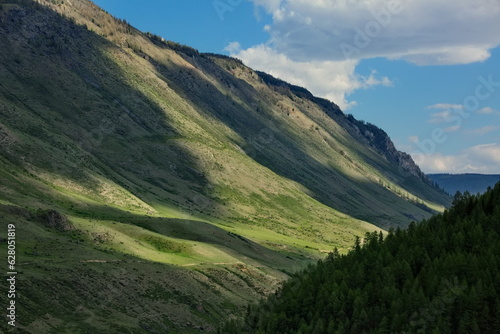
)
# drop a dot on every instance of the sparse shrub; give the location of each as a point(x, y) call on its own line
point(54, 219)
point(102, 237)
point(164, 245)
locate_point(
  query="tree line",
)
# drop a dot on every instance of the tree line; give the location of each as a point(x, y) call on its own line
point(437, 276)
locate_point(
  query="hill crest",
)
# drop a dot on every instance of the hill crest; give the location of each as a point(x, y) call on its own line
point(178, 164)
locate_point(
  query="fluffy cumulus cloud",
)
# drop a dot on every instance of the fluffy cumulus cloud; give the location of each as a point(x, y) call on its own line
point(477, 159)
point(233, 47)
point(420, 31)
point(318, 43)
point(330, 79)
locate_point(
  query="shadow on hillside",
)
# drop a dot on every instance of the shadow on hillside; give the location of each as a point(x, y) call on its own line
point(85, 118)
point(199, 231)
point(273, 146)
point(94, 123)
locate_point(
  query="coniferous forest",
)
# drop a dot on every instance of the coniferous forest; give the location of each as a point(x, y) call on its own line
point(438, 276)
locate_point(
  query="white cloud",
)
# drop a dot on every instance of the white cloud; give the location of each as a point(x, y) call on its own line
point(424, 32)
point(486, 110)
point(322, 41)
point(446, 106)
point(413, 139)
point(450, 113)
point(334, 80)
point(452, 128)
point(477, 159)
point(458, 55)
point(440, 117)
point(233, 47)
point(489, 153)
point(482, 131)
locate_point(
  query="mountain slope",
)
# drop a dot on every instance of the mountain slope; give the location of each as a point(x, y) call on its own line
point(439, 276)
point(160, 156)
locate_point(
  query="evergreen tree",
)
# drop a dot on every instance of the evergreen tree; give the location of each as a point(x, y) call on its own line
point(441, 275)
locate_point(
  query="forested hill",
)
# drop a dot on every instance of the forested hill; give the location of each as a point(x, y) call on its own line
point(438, 276)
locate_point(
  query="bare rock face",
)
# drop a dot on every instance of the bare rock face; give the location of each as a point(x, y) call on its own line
point(372, 135)
point(380, 141)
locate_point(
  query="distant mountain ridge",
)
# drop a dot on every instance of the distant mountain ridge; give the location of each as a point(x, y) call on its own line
point(471, 182)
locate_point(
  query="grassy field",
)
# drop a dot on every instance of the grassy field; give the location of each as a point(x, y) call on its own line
point(185, 185)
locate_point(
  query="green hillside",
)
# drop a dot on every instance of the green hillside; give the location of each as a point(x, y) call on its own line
point(439, 276)
point(144, 177)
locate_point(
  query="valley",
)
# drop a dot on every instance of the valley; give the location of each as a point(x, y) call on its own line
point(155, 188)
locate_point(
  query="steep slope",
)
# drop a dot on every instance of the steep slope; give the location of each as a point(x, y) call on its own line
point(439, 276)
point(157, 156)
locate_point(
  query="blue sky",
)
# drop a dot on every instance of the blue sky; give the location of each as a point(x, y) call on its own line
point(426, 71)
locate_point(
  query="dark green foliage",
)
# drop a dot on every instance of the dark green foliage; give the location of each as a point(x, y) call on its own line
point(157, 39)
point(189, 51)
point(164, 245)
point(54, 219)
point(215, 55)
point(439, 276)
point(160, 41)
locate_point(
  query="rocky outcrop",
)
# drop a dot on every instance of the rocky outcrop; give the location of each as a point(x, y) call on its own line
point(380, 141)
point(372, 135)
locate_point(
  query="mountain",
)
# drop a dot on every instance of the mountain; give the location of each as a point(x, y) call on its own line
point(439, 276)
point(473, 183)
point(156, 188)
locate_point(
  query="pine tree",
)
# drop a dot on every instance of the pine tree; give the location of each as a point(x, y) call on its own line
point(439, 276)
